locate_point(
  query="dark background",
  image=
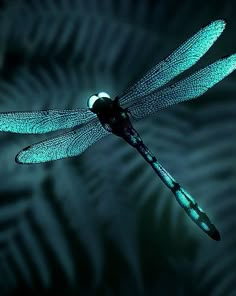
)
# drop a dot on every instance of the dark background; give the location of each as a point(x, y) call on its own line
point(103, 223)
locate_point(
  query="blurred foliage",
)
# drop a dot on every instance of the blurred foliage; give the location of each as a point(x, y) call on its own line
point(103, 223)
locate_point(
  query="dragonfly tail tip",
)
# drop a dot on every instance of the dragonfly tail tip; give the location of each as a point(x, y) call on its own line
point(216, 235)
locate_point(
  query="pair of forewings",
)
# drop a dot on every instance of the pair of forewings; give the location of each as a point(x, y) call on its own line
point(147, 96)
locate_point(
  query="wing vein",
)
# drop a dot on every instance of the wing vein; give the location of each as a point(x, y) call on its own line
point(184, 57)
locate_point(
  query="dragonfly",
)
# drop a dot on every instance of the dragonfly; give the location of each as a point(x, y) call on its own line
point(104, 115)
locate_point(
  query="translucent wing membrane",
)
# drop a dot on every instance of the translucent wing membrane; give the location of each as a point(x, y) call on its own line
point(186, 89)
point(37, 122)
point(180, 60)
point(69, 144)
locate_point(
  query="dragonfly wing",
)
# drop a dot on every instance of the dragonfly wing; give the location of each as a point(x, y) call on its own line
point(37, 122)
point(180, 60)
point(184, 90)
point(69, 144)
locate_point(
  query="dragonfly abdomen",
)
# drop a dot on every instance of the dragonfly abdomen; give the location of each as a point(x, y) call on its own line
point(196, 213)
point(185, 200)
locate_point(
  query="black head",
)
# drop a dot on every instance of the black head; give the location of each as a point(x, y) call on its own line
point(99, 101)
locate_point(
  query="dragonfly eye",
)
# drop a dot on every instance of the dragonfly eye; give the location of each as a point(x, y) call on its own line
point(103, 95)
point(92, 100)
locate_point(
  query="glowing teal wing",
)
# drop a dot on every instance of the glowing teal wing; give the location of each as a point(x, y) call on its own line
point(37, 122)
point(180, 60)
point(69, 144)
point(184, 90)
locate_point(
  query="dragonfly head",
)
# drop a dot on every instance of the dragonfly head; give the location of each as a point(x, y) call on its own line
point(94, 100)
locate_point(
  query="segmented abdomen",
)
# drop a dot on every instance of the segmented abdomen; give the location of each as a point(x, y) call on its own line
point(185, 200)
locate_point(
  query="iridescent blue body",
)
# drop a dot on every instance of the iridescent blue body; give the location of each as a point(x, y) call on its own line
point(145, 97)
point(115, 119)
